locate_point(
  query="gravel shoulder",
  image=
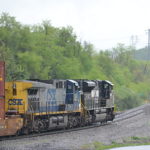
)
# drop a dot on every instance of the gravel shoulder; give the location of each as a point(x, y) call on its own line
point(117, 131)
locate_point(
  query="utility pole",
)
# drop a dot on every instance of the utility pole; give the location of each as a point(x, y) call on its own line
point(134, 40)
point(148, 44)
point(147, 57)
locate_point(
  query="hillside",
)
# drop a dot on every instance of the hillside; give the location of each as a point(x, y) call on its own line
point(44, 51)
point(142, 54)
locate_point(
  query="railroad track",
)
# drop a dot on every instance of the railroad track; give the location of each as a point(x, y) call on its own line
point(52, 132)
point(130, 113)
point(119, 117)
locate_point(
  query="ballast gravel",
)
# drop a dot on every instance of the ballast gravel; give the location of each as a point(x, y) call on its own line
point(117, 131)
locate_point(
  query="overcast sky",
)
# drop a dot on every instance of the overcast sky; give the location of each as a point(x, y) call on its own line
point(104, 23)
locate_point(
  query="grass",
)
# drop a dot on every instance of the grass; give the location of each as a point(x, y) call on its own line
point(132, 141)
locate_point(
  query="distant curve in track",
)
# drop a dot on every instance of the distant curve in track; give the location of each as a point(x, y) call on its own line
point(130, 113)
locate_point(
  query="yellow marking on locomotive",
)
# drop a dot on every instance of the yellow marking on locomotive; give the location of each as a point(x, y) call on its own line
point(16, 96)
point(55, 113)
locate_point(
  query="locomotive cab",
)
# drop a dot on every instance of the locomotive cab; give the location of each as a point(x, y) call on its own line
point(72, 95)
point(105, 92)
point(16, 97)
point(86, 87)
point(106, 88)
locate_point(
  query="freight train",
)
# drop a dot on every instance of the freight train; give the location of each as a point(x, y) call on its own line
point(39, 105)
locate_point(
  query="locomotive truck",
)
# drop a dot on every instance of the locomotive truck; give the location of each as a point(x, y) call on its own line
point(39, 105)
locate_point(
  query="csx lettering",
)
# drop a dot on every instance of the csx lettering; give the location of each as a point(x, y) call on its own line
point(15, 102)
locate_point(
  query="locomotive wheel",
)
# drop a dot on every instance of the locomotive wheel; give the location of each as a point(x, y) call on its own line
point(38, 125)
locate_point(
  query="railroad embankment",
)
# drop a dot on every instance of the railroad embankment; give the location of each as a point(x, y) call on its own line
point(127, 125)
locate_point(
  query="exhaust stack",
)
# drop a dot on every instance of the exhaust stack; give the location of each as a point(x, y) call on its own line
point(2, 90)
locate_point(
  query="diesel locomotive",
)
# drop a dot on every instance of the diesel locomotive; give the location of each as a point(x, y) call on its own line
point(39, 105)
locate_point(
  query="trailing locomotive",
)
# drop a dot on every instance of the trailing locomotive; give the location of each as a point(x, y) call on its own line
point(40, 105)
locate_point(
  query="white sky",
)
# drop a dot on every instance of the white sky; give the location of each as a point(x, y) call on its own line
point(104, 23)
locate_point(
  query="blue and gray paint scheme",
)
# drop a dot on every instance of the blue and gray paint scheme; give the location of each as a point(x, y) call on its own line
point(62, 95)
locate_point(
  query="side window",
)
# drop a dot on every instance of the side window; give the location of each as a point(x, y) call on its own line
point(14, 92)
point(69, 87)
point(14, 89)
point(59, 84)
point(107, 91)
point(105, 86)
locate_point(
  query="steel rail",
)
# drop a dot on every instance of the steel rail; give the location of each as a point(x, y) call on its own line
point(53, 132)
point(119, 117)
point(136, 113)
point(130, 113)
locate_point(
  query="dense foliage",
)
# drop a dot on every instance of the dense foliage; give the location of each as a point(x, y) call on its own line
point(45, 52)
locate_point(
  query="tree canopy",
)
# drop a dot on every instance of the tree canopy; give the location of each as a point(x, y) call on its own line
point(45, 52)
